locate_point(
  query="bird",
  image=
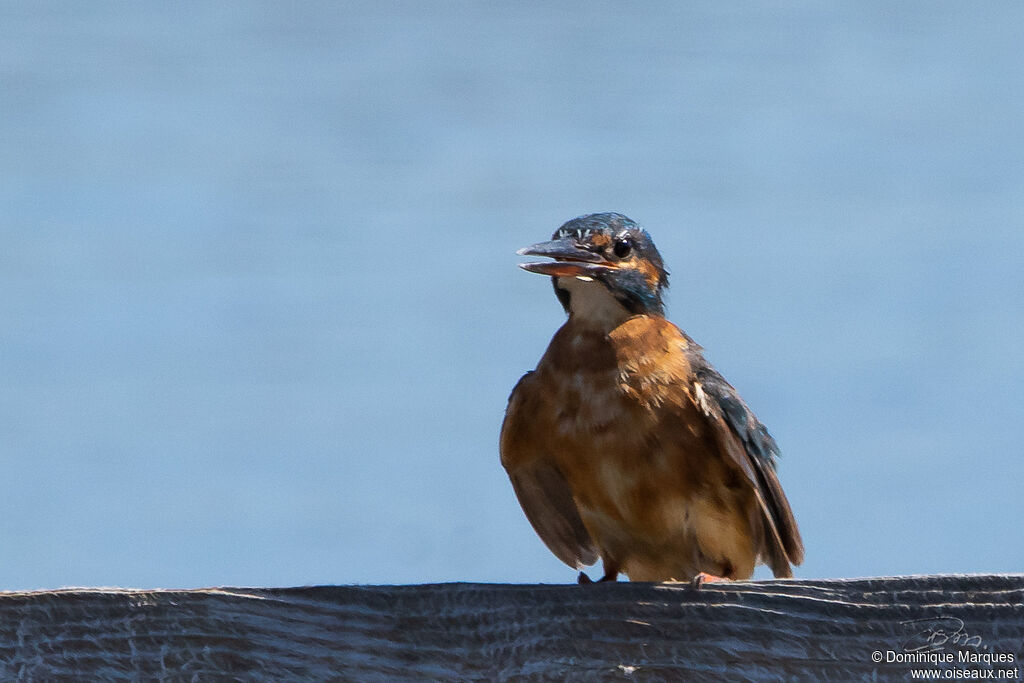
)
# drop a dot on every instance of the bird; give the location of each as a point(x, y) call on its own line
point(625, 444)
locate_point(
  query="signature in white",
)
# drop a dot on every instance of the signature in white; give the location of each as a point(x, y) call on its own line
point(936, 633)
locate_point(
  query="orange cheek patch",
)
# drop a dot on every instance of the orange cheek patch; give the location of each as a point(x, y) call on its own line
point(600, 240)
point(650, 273)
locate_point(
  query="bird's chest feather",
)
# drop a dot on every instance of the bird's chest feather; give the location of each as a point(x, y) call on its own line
point(616, 386)
point(622, 422)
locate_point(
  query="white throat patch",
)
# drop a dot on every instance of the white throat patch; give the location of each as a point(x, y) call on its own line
point(590, 301)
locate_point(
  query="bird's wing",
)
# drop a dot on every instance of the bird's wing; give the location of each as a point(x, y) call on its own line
point(749, 445)
point(542, 490)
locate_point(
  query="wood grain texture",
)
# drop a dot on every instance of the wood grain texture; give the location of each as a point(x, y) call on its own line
point(767, 630)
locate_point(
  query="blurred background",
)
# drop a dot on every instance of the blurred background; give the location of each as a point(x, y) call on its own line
point(260, 304)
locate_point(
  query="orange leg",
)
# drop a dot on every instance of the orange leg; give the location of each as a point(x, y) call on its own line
point(704, 577)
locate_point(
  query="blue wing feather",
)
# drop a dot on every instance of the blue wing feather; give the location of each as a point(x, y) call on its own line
point(761, 453)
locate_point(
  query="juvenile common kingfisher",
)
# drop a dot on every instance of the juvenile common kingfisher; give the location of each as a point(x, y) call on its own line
point(624, 443)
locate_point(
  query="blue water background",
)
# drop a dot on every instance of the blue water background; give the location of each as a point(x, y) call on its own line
point(260, 305)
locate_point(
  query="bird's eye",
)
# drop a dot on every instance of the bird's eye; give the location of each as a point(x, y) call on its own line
point(622, 248)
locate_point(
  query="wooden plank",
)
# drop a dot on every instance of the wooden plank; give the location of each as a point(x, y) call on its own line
point(766, 630)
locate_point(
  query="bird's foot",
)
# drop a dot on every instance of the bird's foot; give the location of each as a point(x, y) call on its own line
point(704, 577)
point(583, 579)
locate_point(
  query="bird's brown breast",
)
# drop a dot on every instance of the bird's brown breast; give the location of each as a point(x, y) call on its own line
point(629, 436)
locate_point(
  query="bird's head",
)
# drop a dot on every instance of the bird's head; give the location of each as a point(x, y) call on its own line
point(605, 266)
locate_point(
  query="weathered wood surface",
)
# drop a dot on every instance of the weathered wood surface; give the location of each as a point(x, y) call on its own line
point(770, 630)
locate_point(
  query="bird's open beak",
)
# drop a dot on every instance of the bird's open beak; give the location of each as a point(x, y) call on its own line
point(570, 260)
